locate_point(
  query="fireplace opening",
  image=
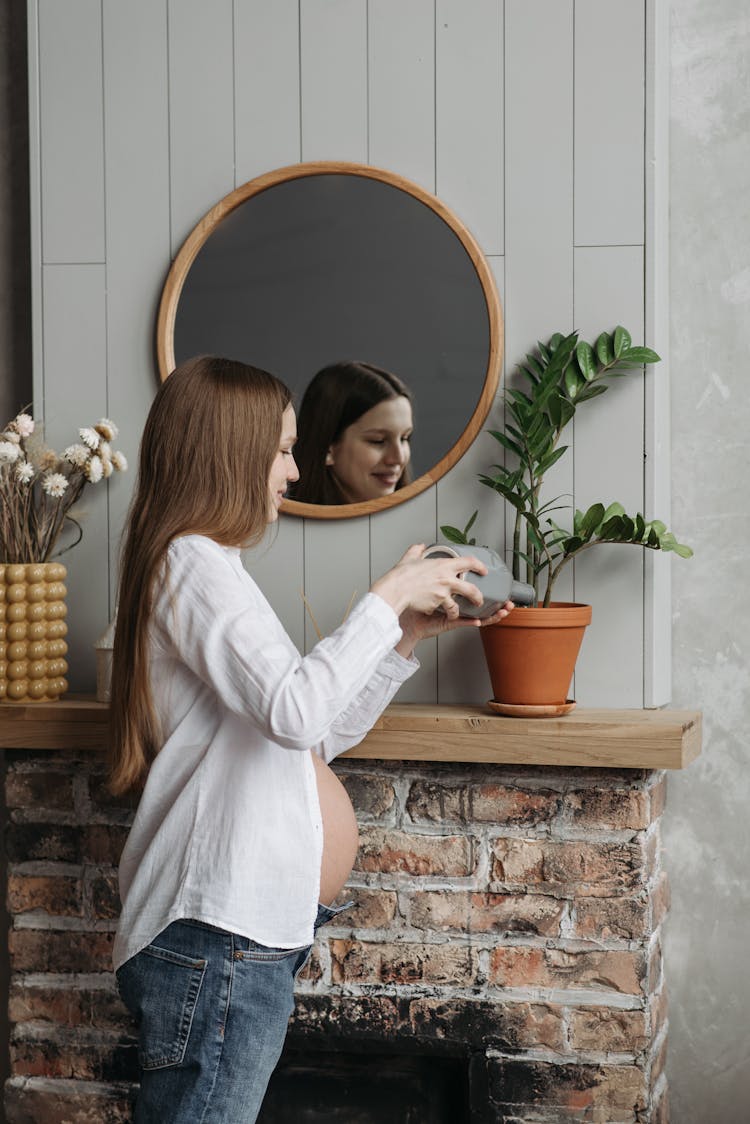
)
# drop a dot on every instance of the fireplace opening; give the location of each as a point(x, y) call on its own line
point(328, 1087)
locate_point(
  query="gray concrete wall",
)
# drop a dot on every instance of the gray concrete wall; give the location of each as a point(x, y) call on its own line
point(707, 823)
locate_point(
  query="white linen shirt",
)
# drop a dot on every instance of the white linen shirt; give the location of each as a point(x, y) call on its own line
point(228, 829)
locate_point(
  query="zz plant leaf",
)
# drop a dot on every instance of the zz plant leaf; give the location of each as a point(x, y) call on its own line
point(557, 379)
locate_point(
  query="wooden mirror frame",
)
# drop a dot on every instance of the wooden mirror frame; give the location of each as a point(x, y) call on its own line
point(202, 231)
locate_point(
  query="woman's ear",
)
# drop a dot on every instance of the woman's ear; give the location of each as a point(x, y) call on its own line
point(329, 457)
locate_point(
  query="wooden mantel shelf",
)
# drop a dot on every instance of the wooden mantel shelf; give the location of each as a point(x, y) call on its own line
point(615, 739)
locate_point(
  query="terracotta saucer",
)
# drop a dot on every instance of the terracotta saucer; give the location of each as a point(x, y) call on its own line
point(524, 710)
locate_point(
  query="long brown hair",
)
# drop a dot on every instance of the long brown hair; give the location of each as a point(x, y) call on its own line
point(206, 454)
point(334, 399)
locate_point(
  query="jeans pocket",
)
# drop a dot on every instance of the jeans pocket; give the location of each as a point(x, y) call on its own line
point(160, 988)
point(267, 954)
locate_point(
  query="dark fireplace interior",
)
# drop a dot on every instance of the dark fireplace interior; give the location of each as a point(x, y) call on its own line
point(331, 1087)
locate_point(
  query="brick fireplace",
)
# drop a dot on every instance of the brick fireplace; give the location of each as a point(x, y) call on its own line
point(502, 962)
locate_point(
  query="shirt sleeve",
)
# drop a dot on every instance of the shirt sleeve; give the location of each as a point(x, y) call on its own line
point(210, 614)
point(359, 717)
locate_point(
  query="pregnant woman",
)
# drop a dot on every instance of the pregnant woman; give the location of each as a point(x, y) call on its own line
point(243, 836)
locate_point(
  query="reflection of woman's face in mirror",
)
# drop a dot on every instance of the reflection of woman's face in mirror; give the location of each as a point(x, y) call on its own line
point(370, 457)
point(355, 421)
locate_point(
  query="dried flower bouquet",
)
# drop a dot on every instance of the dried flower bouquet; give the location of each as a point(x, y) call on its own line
point(38, 487)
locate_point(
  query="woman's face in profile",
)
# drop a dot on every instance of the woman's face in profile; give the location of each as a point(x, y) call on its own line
point(369, 458)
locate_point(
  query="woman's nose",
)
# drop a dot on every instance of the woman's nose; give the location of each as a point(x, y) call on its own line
point(394, 454)
point(292, 472)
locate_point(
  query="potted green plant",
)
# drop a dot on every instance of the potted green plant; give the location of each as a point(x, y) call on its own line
point(562, 375)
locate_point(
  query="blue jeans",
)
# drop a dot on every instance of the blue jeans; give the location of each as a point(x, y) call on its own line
point(212, 1010)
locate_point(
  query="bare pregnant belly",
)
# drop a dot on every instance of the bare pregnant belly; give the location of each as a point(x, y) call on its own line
point(340, 832)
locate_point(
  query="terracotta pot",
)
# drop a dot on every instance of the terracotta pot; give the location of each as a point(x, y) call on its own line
point(32, 631)
point(531, 654)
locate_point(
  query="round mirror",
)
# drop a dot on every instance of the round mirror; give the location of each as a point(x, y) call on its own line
point(344, 266)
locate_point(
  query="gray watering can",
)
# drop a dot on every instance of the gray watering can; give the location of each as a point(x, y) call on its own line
point(496, 586)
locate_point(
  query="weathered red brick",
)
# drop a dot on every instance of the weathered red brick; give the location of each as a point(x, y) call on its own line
point(45, 1101)
point(105, 897)
point(57, 895)
point(36, 791)
point(465, 911)
point(433, 802)
point(376, 1018)
point(660, 900)
point(507, 1026)
point(390, 851)
point(26, 842)
point(103, 843)
point(41, 950)
point(370, 795)
point(372, 909)
point(600, 969)
point(602, 809)
point(658, 1060)
point(74, 1005)
point(608, 1030)
point(568, 867)
point(572, 1092)
point(620, 918)
point(658, 794)
point(70, 1054)
point(659, 1010)
point(380, 962)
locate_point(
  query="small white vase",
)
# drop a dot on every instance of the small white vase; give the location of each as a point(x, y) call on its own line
point(103, 648)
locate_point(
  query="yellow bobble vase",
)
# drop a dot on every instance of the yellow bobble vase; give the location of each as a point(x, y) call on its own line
point(32, 631)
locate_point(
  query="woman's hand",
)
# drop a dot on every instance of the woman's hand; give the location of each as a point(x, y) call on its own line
point(416, 588)
point(427, 584)
point(420, 626)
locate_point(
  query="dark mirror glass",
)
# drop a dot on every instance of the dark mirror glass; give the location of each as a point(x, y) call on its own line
point(322, 268)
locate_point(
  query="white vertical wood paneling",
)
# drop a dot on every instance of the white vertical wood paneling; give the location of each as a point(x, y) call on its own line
point(390, 534)
point(201, 110)
point(143, 115)
point(538, 172)
point(539, 190)
point(469, 113)
point(658, 567)
point(136, 128)
point(609, 107)
point(401, 41)
point(337, 564)
point(277, 565)
point(266, 73)
point(608, 463)
point(333, 51)
point(35, 208)
point(462, 673)
point(75, 395)
point(72, 164)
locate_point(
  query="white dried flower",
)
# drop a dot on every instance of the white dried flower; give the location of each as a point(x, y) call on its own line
point(107, 428)
point(119, 461)
point(90, 437)
point(107, 468)
point(25, 472)
point(10, 436)
point(9, 453)
point(24, 424)
point(94, 470)
point(77, 455)
point(105, 451)
point(54, 484)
